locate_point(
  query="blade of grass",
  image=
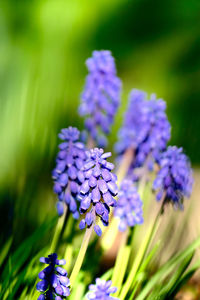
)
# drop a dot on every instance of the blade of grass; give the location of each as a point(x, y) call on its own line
point(167, 268)
point(5, 250)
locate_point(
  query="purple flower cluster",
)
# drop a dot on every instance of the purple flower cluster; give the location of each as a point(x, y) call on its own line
point(101, 95)
point(174, 179)
point(101, 290)
point(129, 206)
point(97, 190)
point(68, 175)
point(54, 282)
point(146, 128)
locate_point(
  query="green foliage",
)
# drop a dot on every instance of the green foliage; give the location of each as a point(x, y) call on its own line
point(42, 49)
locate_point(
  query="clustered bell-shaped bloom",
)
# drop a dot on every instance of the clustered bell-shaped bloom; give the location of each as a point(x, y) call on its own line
point(129, 206)
point(68, 175)
point(174, 179)
point(101, 96)
point(97, 190)
point(54, 282)
point(146, 128)
point(101, 290)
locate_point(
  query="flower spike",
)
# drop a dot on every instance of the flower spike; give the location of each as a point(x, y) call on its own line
point(146, 128)
point(129, 206)
point(68, 175)
point(54, 282)
point(101, 96)
point(97, 190)
point(174, 179)
point(101, 290)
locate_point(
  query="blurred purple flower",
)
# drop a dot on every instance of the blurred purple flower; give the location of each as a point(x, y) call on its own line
point(101, 290)
point(54, 282)
point(68, 175)
point(129, 206)
point(174, 181)
point(146, 128)
point(97, 190)
point(101, 96)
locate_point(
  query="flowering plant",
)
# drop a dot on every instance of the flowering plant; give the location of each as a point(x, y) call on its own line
point(92, 191)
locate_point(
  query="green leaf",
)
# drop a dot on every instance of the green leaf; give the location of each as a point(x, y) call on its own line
point(17, 260)
point(164, 289)
point(141, 275)
point(185, 278)
point(167, 268)
point(5, 250)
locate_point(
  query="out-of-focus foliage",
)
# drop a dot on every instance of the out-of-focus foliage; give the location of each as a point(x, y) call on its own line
point(43, 47)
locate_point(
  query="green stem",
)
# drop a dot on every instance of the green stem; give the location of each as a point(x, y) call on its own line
point(119, 259)
point(140, 256)
point(59, 228)
point(90, 143)
point(81, 255)
point(125, 164)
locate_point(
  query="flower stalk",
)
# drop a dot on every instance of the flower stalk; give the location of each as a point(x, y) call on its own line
point(81, 255)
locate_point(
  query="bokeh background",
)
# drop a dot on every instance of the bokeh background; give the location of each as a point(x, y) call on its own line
point(43, 48)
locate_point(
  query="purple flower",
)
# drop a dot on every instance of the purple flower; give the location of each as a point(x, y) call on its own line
point(101, 96)
point(101, 290)
point(146, 128)
point(54, 282)
point(68, 175)
point(174, 179)
point(129, 206)
point(97, 190)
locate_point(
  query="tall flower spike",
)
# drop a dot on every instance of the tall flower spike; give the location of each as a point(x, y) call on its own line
point(101, 96)
point(146, 128)
point(174, 179)
point(97, 190)
point(68, 175)
point(129, 206)
point(101, 290)
point(54, 282)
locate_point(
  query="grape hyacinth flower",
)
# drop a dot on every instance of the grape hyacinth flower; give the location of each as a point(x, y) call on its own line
point(54, 282)
point(101, 290)
point(68, 175)
point(174, 179)
point(97, 190)
point(146, 128)
point(129, 206)
point(101, 96)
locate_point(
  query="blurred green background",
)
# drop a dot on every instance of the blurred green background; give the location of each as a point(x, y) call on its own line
point(43, 48)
